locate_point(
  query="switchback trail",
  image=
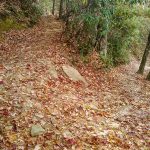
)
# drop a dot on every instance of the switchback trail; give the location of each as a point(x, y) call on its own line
point(42, 109)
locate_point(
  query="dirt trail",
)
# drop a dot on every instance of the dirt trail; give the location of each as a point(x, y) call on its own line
point(111, 113)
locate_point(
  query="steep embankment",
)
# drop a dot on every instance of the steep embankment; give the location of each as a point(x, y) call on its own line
point(41, 108)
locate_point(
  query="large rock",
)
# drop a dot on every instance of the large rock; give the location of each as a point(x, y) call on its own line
point(73, 74)
point(36, 130)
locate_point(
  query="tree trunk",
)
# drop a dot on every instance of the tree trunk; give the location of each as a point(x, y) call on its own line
point(61, 9)
point(103, 47)
point(67, 12)
point(101, 43)
point(148, 76)
point(53, 9)
point(145, 56)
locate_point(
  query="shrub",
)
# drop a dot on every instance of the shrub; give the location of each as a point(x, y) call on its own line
point(124, 31)
point(10, 23)
point(31, 10)
point(119, 27)
point(28, 11)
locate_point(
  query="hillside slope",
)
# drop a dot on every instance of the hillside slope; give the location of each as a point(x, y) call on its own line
point(41, 108)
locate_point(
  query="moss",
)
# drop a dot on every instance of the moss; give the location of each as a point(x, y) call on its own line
point(84, 59)
point(10, 23)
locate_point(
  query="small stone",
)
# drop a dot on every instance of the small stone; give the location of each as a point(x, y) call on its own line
point(37, 147)
point(94, 107)
point(10, 127)
point(39, 115)
point(103, 133)
point(114, 125)
point(28, 105)
point(67, 134)
point(36, 130)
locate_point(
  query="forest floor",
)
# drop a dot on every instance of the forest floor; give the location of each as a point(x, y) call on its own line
point(111, 113)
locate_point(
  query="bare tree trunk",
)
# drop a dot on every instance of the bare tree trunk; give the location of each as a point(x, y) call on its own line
point(53, 9)
point(145, 56)
point(101, 44)
point(148, 76)
point(61, 9)
point(104, 45)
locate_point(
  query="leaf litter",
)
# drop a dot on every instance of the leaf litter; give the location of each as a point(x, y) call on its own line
point(112, 112)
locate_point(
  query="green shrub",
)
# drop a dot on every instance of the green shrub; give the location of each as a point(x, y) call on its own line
point(31, 10)
point(119, 26)
point(123, 32)
point(27, 11)
point(142, 21)
point(10, 23)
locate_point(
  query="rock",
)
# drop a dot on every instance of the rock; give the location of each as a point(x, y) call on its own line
point(73, 74)
point(37, 147)
point(27, 105)
point(94, 105)
point(53, 72)
point(114, 125)
point(10, 127)
point(36, 130)
point(103, 133)
point(39, 115)
point(67, 134)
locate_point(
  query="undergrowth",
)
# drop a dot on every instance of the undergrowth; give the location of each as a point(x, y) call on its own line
point(120, 27)
point(10, 23)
